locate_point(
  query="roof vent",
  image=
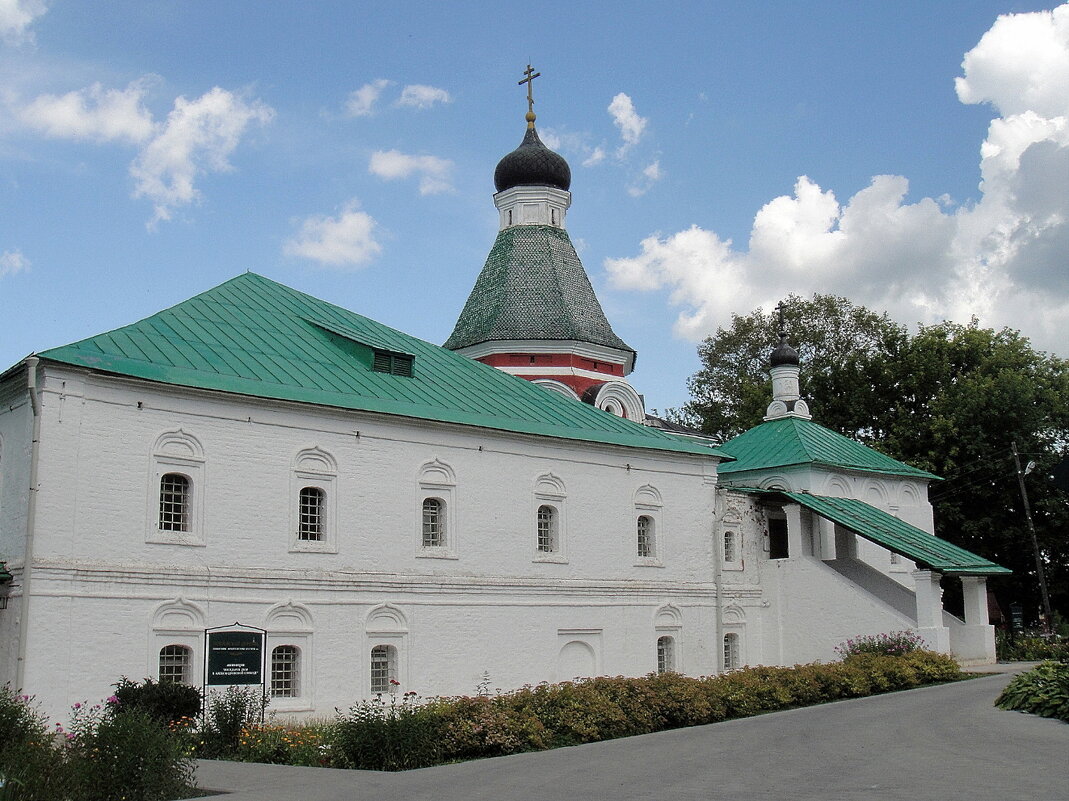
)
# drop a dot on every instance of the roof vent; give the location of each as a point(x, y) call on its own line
point(393, 363)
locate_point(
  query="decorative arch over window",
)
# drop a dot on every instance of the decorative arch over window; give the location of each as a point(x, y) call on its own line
point(779, 482)
point(387, 634)
point(436, 530)
point(549, 518)
point(176, 490)
point(313, 501)
point(876, 494)
point(176, 640)
point(838, 487)
point(648, 543)
point(554, 385)
point(668, 628)
point(668, 617)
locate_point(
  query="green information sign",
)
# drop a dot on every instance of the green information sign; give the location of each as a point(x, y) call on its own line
point(235, 657)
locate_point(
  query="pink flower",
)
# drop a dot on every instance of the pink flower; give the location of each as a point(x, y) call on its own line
point(112, 699)
point(77, 705)
point(395, 682)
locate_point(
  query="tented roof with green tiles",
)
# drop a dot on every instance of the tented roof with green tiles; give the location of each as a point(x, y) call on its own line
point(789, 441)
point(253, 336)
point(533, 286)
point(896, 535)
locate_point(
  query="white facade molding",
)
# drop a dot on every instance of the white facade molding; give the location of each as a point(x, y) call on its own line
point(621, 399)
point(554, 386)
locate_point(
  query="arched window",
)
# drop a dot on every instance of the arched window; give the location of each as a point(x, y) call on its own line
point(731, 651)
point(547, 529)
point(285, 671)
point(175, 495)
point(310, 515)
point(731, 546)
point(176, 662)
point(433, 523)
point(666, 655)
point(383, 669)
point(646, 544)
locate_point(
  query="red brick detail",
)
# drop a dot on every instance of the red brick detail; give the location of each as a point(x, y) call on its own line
point(551, 360)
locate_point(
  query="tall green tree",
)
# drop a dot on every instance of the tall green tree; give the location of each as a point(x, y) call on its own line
point(949, 399)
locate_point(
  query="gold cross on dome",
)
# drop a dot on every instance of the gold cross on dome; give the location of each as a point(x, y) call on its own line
point(531, 75)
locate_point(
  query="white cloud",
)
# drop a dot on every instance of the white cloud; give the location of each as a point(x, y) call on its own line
point(420, 96)
point(650, 175)
point(16, 17)
point(197, 138)
point(631, 125)
point(345, 241)
point(433, 171)
point(1002, 259)
point(93, 113)
point(12, 261)
point(361, 103)
point(597, 155)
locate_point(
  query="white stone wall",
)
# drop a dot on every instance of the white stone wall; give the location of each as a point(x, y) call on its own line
point(16, 433)
point(110, 590)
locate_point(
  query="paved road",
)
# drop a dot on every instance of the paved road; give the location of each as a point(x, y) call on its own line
point(944, 743)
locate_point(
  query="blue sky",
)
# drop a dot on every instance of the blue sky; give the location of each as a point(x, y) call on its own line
point(722, 156)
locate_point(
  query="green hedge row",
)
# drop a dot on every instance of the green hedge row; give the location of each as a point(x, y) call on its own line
point(405, 733)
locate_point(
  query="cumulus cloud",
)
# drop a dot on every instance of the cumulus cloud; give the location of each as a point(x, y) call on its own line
point(631, 125)
point(1002, 258)
point(12, 261)
point(361, 103)
point(597, 155)
point(420, 96)
point(197, 138)
point(345, 241)
point(16, 17)
point(93, 113)
point(433, 172)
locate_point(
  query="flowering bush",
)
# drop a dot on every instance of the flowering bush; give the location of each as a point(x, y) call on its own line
point(228, 714)
point(104, 754)
point(398, 734)
point(282, 744)
point(895, 643)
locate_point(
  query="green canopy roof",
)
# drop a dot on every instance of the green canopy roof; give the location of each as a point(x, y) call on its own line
point(896, 535)
point(789, 441)
point(253, 336)
point(533, 286)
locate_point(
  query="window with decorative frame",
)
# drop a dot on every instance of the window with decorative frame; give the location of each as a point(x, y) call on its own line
point(648, 543)
point(314, 515)
point(285, 671)
point(176, 664)
point(384, 669)
point(549, 516)
point(176, 490)
point(436, 515)
point(666, 654)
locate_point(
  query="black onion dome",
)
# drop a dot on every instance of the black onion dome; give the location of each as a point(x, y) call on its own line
point(783, 353)
point(532, 163)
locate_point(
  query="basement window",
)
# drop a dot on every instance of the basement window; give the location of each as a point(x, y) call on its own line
point(393, 363)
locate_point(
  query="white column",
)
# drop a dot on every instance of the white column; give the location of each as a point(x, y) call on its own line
point(795, 535)
point(826, 529)
point(929, 597)
point(975, 642)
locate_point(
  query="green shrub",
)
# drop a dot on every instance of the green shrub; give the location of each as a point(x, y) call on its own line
point(480, 726)
point(168, 702)
point(1044, 690)
point(387, 735)
point(894, 643)
point(228, 714)
point(126, 756)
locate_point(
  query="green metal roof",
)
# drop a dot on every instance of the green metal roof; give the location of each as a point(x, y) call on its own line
point(896, 535)
point(533, 286)
point(253, 336)
point(789, 441)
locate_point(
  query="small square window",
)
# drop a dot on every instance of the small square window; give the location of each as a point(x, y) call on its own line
point(175, 664)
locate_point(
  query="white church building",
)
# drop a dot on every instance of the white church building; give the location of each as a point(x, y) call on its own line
point(402, 516)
